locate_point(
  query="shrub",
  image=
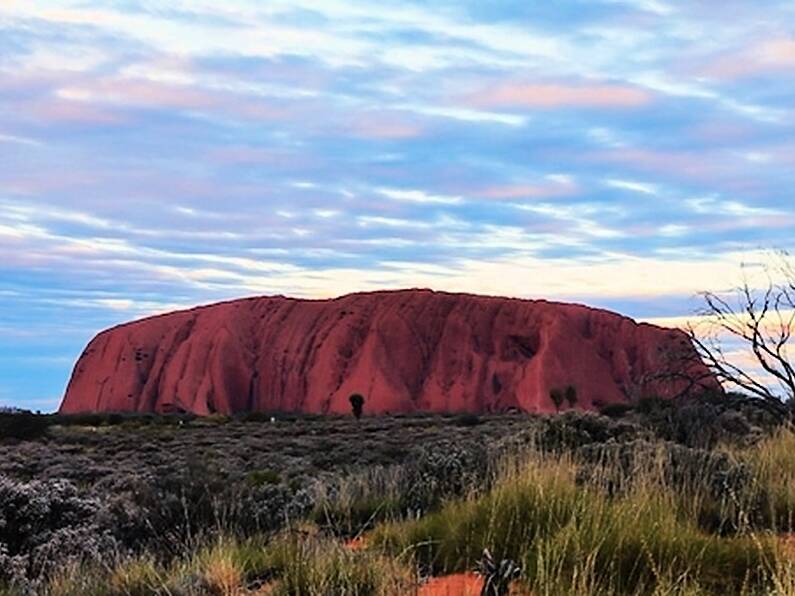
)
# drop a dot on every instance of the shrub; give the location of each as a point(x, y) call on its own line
point(443, 471)
point(571, 395)
point(618, 410)
point(720, 492)
point(357, 404)
point(260, 477)
point(708, 420)
point(24, 426)
point(556, 395)
point(44, 525)
point(574, 429)
point(164, 512)
point(351, 504)
point(467, 420)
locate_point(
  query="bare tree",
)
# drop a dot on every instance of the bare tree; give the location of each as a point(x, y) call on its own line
point(760, 317)
point(681, 372)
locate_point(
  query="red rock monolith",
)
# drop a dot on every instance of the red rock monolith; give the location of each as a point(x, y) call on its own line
point(404, 351)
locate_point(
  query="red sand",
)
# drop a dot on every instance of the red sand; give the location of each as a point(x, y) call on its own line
point(357, 543)
point(461, 584)
point(405, 351)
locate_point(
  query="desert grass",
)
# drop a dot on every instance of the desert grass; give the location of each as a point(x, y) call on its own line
point(290, 564)
point(575, 539)
point(568, 537)
point(773, 463)
point(354, 503)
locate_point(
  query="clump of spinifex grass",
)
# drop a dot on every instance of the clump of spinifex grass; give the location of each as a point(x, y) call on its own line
point(315, 566)
point(354, 503)
point(566, 536)
point(290, 564)
point(773, 463)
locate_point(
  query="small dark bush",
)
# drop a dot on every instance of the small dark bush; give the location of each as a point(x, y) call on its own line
point(709, 419)
point(615, 410)
point(24, 426)
point(571, 395)
point(574, 429)
point(357, 404)
point(259, 417)
point(467, 420)
point(650, 404)
point(260, 477)
point(556, 395)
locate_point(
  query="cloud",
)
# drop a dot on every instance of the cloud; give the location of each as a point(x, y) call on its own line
point(633, 185)
point(555, 185)
point(60, 111)
point(417, 196)
point(159, 158)
point(4, 138)
point(766, 57)
point(384, 127)
point(140, 93)
point(554, 96)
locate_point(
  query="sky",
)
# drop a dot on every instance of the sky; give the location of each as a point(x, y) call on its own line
point(159, 155)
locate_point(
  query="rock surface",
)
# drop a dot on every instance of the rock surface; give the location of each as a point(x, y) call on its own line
point(405, 351)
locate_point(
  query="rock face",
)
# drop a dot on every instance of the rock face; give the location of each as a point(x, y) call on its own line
point(405, 351)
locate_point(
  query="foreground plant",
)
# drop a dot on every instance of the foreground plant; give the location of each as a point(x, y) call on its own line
point(568, 537)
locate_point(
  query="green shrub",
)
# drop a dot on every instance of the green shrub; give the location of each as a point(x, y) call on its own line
point(260, 477)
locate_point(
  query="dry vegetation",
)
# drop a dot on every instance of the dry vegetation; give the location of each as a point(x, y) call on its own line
point(691, 498)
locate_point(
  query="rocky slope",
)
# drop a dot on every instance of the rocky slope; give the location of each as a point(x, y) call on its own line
point(405, 351)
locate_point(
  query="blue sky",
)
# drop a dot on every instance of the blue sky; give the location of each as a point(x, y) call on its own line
point(158, 155)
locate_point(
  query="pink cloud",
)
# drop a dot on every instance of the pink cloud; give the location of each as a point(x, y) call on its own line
point(528, 191)
point(717, 131)
point(550, 96)
point(77, 16)
point(386, 130)
point(137, 92)
point(141, 92)
point(779, 51)
point(762, 222)
point(691, 165)
point(284, 160)
point(33, 183)
point(64, 111)
point(774, 55)
point(383, 126)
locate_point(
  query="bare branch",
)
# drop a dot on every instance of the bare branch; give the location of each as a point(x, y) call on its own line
point(761, 318)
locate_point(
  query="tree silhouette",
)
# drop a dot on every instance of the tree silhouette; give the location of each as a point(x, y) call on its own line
point(556, 395)
point(759, 315)
point(357, 404)
point(571, 395)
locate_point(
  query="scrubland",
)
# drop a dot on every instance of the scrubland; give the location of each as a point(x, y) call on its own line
point(694, 497)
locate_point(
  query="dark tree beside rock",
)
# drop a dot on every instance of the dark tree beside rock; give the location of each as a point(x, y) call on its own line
point(357, 404)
